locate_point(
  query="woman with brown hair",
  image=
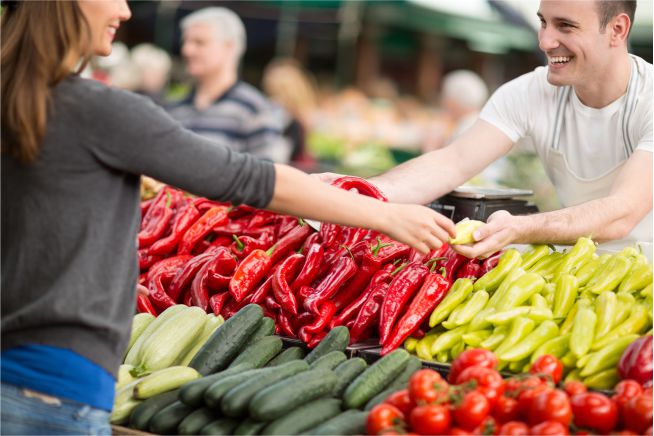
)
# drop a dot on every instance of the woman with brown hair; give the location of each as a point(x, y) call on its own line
point(72, 154)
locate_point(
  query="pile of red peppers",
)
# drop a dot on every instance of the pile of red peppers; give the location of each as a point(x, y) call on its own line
point(205, 253)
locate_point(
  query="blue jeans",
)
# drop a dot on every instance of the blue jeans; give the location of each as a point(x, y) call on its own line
point(29, 412)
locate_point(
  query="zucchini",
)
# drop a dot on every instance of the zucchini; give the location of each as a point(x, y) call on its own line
point(346, 372)
point(214, 393)
point(249, 427)
point(221, 426)
point(374, 379)
point(380, 397)
point(171, 340)
point(124, 376)
point(143, 413)
point(134, 355)
point(350, 422)
point(330, 360)
point(196, 420)
point(210, 326)
point(168, 419)
point(289, 354)
point(304, 417)
point(164, 380)
point(121, 412)
point(224, 344)
point(411, 367)
point(139, 323)
point(260, 352)
point(284, 396)
point(266, 327)
point(336, 340)
point(192, 393)
point(235, 402)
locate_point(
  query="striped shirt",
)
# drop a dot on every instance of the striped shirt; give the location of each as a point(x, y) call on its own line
point(242, 118)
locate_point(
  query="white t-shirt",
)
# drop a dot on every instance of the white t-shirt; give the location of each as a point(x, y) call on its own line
point(592, 140)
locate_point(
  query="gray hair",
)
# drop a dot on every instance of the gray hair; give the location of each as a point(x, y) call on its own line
point(146, 56)
point(227, 24)
point(466, 88)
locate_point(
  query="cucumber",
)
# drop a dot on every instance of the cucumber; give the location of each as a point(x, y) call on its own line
point(336, 340)
point(214, 394)
point(164, 380)
point(266, 327)
point(350, 422)
point(260, 352)
point(140, 322)
point(221, 426)
point(249, 427)
point(289, 354)
point(210, 326)
point(346, 372)
point(235, 402)
point(192, 393)
point(284, 396)
point(374, 379)
point(141, 415)
point(224, 344)
point(196, 420)
point(304, 417)
point(134, 355)
point(402, 380)
point(168, 419)
point(380, 397)
point(330, 360)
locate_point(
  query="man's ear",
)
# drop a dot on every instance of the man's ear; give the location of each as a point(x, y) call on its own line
point(619, 28)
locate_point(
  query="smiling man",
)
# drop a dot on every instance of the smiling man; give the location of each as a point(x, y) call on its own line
point(589, 114)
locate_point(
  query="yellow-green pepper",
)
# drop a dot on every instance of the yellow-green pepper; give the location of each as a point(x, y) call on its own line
point(557, 347)
point(608, 356)
point(490, 281)
point(606, 306)
point(565, 295)
point(456, 295)
point(537, 252)
point(606, 379)
point(543, 333)
point(521, 290)
point(583, 329)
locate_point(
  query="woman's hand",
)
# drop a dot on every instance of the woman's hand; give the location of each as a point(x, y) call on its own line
point(326, 177)
point(418, 226)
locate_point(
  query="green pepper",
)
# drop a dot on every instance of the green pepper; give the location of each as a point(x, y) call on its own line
point(480, 321)
point(549, 288)
point(608, 356)
point(423, 348)
point(609, 277)
point(494, 340)
point(605, 380)
point(573, 376)
point(626, 302)
point(647, 291)
point(457, 349)
point(547, 262)
point(606, 306)
point(637, 321)
point(457, 294)
point(537, 314)
point(587, 271)
point(536, 253)
point(583, 329)
point(464, 230)
point(639, 277)
point(579, 253)
point(517, 367)
point(499, 294)
point(443, 356)
point(521, 290)
point(520, 328)
point(490, 281)
point(410, 344)
point(565, 295)
point(583, 360)
point(569, 360)
point(566, 327)
point(557, 347)
point(472, 307)
point(474, 339)
point(537, 300)
point(543, 333)
point(447, 340)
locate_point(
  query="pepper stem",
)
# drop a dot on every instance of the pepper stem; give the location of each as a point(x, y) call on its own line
point(239, 244)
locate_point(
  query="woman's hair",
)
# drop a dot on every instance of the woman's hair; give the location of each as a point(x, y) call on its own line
point(42, 43)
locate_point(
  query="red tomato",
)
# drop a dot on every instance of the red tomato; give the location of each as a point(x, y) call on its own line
point(505, 409)
point(426, 386)
point(625, 433)
point(514, 428)
point(430, 419)
point(549, 367)
point(638, 413)
point(472, 357)
point(472, 410)
point(526, 398)
point(595, 411)
point(648, 432)
point(401, 400)
point(552, 405)
point(456, 431)
point(488, 427)
point(624, 391)
point(515, 385)
point(547, 428)
point(574, 387)
point(384, 417)
point(489, 382)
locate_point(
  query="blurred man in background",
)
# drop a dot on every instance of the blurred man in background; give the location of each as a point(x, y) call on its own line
point(153, 68)
point(220, 106)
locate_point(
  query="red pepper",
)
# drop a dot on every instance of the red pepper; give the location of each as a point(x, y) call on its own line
point(204, 204)
point(362, 185)
point(159, 216)
point(403, 287)
point(187, 300)
point(313, 238)
point(285, 224)
point(311, 267)
point(242, 210)
point(201, 247)
point(431, 293)
point(301, 320)
point(262, 292)
point(157, 295)
point(368, 314)
point(249, 273)
point(344, 270)
point(471, 270)
point(143, 305)
point(170, 265)
point(329, 234)
point(351, 311)
point(221, 269)
point(261, 218)
point(453, 264)
point(184, 219)
point(490, 262)
point(327, 311)
point(636, 361)
point(229, 228)
point(272, 304)
point(286, 328)
point(290, 242)
point(233, 306)
point(303, 335)
point(313, 343)
point(244, 245)
point(281, 288)
point(200, 287)
point(368, 267)
point(217, 302)
point(143, 278)
point(145, 206)
point(201, 228)
point(221, 241)
point(187, 273)
point(394, 251)
point(146, 259)
point(160, 199)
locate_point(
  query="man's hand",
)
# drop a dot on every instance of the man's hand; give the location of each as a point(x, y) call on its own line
point(499, 231)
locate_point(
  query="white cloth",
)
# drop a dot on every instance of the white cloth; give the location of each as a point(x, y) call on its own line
point(582, 152)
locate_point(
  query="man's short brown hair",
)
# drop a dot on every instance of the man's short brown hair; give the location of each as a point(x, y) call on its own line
point(607, 9)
